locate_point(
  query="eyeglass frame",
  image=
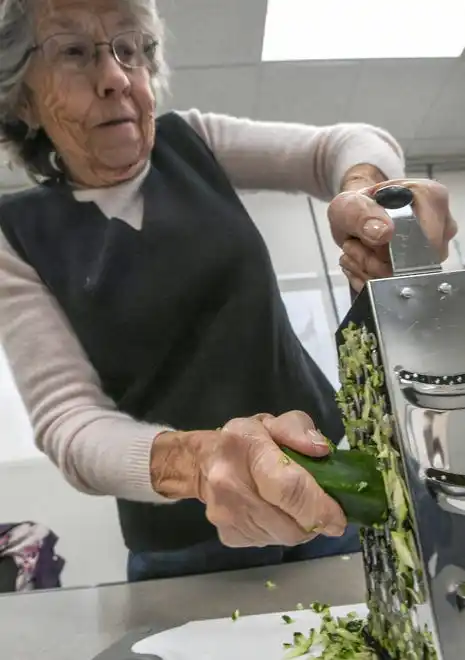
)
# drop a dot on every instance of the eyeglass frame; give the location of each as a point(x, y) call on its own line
point(98, 44)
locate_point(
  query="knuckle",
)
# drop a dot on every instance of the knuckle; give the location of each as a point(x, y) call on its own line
point(295, 417)
point(301, 416)
point(224, 536)
point(334, 203)
point(451, 228)
point(352, 267)
point(356, 251)
point(260, 417)
point(259, 463)
point(230, 538)
point(347, 246)
point(350, 241)
point(347, 261)
point(221, 478)
point(234, 425)
point(220, 516)
point(429, 188)
point(338, 204)
point(295, 490)
point(438, 189)
point(349, 266)
point(242, 429)
point(374, 266)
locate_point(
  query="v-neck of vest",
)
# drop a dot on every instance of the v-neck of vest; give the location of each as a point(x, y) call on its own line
point(65, 190)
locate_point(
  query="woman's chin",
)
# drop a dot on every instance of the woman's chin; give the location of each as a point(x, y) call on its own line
point(122, 153)
point(122, 167)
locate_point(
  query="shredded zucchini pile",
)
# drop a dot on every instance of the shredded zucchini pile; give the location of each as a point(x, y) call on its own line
point(338, 638)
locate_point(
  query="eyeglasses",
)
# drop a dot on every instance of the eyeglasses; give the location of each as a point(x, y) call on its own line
point(75, 52)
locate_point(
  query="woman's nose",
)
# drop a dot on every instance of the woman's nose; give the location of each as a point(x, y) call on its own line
point(111, 77)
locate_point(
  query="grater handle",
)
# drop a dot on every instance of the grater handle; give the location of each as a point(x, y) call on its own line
point(410, 251)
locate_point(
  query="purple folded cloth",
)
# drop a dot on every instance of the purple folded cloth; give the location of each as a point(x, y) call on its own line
point(32, 547)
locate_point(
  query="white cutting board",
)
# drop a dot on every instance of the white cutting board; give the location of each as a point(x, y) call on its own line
point(248, 638)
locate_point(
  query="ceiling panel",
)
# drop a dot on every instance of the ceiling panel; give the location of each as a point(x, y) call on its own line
point(397, 94)
point(213, 32)
point(305, 91)
point(424, 147)
point(229, 90)
point(446, 117)
point(211, 42)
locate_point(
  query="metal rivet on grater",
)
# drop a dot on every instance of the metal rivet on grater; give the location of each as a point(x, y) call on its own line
point(406, 292)
point(445, 288)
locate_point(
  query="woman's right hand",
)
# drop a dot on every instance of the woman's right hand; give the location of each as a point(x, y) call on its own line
point(253, 496)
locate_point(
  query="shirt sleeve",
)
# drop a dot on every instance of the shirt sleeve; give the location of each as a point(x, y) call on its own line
point(100, 450)
point(295, 158)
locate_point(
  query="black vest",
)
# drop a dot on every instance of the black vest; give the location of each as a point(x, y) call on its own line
point(183, 320)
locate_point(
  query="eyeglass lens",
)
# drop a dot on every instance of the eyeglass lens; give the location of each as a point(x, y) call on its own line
point(130, 49)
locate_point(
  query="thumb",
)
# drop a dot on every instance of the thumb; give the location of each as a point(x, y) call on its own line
point(296, 431)
point(355, 214)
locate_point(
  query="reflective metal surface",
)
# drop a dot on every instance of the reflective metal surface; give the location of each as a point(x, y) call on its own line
point(410, 251)
point(418, 318)
point(422, 347)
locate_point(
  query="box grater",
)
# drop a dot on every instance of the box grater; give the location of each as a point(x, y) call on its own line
point(402, 371)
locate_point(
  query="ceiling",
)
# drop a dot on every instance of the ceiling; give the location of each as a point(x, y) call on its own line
point(214, 49)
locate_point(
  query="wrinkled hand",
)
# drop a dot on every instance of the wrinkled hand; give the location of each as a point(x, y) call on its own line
point(253, 495)
point(363, 229)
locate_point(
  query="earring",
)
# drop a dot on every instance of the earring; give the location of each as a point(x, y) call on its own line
point(54, 160)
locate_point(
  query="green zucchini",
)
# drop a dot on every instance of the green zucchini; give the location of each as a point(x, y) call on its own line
point(353, 479)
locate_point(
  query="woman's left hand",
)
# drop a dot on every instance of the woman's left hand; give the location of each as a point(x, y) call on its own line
point(363, 229)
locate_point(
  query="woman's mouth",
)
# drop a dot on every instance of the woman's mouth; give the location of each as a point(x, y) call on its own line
point(116, 122)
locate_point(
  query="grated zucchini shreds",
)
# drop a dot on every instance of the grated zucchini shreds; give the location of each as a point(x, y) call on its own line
point(338, 638)
point(390, 552)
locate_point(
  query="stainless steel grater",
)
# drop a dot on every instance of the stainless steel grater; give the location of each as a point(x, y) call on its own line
point(402, 371)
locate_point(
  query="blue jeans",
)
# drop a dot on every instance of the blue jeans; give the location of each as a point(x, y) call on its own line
point(212, 556)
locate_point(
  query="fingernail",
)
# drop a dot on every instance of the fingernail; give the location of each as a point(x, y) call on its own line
point(333, 530)
point(311, 530)
point(375, 229)
point(316, 438)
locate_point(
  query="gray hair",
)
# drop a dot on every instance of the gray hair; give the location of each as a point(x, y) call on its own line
point(34, 152)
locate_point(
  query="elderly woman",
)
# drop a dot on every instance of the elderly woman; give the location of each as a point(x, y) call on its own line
point(138, 306)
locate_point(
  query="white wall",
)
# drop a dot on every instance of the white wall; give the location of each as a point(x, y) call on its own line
point(31, 488)
point(287, 225)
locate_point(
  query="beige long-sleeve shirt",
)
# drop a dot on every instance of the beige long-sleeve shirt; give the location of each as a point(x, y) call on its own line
point(99, 449)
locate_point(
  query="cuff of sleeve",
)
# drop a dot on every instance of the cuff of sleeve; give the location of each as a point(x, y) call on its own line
point(368, 150)
point(138, 484)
